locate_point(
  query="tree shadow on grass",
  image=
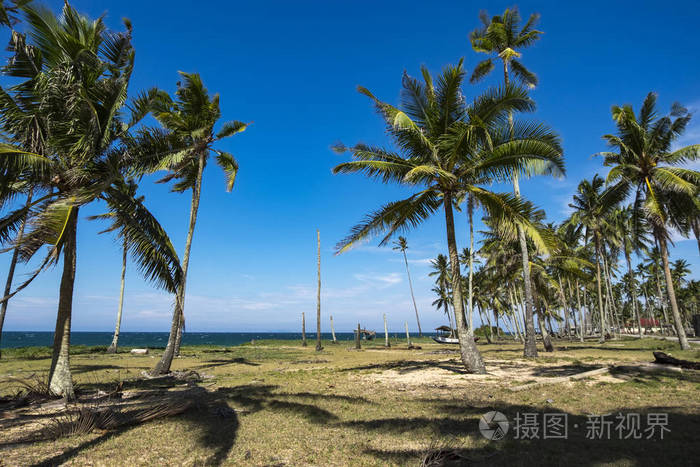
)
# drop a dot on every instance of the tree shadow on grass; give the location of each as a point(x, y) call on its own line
point(408, 366)
point(461, 421)
point(223, 362)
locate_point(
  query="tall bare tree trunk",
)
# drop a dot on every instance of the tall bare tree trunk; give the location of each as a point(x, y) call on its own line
point(60, 380)
point(469, 352)
point(115, 339)
point(303, 329)
point(333, 330)
point(680, 331)
point(318, 296)
point(175, 338)
point(386, 334)
point(13, 265)
point(410, 285)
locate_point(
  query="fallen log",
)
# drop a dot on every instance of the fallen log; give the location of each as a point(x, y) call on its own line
point(666, 359)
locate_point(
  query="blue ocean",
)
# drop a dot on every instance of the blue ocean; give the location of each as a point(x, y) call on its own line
point(12, 339)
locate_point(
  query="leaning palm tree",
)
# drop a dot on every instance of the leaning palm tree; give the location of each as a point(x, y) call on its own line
point(447, 148)
point(644, 164)
point(118, 219)
point(183, 149)
point(402, 245)
point(77, 74)
point(502, 36)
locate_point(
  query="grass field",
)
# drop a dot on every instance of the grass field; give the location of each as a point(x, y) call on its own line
point(277, 403)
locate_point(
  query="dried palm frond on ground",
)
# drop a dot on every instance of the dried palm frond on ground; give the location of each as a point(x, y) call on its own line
point(441, 454)
point(111, 416)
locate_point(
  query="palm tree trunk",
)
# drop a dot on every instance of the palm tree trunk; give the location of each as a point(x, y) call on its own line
point(115, 339)
point(333, 330)
point(386, 334)
point(489, 333)
point(303, 329)
point(608, 294)
point(173, 348)
point(632, 292)
point(696, 231)
point(318, 296)
point(600, 289)
point(13, 265)
point(581, 320)
point(453, 327)
point(546, 340)
point(680, 331)
point(410, 286)
point(563, 306)
point(470, 354)
point(470, 213)
point(60, 380)
point(530, 349)
point(515, 319)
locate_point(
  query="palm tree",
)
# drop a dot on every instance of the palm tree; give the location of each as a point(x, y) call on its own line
point(502, 37)
point(117, 217)
point(644, 164)
point(444, 146)
point(402, 245)
point(79, 73)
point(183, 149)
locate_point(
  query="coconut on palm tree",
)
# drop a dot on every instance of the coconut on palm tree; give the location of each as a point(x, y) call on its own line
point(645, 164)
point(447, 148)
point(183, 149)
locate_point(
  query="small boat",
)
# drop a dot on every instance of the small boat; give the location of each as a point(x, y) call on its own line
point(445, 340)
point(446, 335)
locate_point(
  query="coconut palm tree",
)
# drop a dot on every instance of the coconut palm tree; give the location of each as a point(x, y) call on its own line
point(79, 73)
point(502, 36)
point(444, 146)
point(118, 219)
point(183, 148)
point(644, 165)
point(402, 245)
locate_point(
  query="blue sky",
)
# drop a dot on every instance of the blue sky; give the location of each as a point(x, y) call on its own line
point(292, 69)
